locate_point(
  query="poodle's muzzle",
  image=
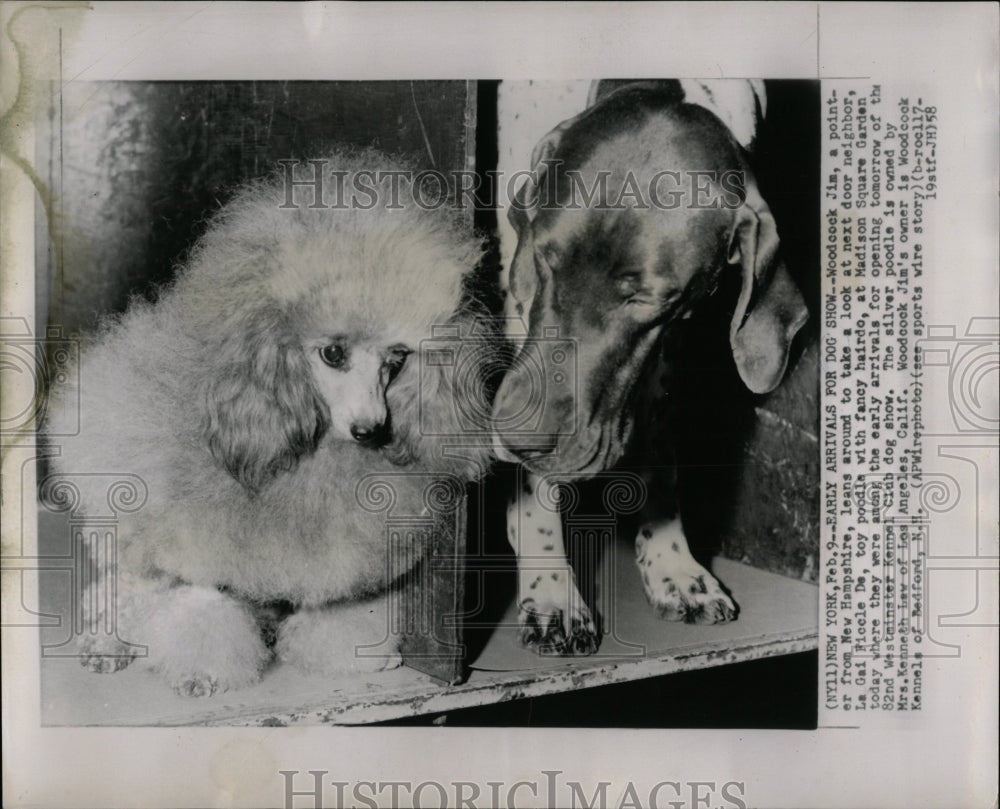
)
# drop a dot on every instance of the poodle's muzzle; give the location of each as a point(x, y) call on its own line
point(372, 435)
point(354, 391)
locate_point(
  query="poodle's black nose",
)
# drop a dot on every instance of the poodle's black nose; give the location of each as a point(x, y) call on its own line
point(375, 435)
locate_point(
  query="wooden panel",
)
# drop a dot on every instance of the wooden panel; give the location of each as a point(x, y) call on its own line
point(431, 609)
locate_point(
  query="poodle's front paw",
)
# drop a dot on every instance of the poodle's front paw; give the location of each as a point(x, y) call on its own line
point(105, 655)
point(351, 638)
point(206, 682)
point(198, 685)
point(203, 642)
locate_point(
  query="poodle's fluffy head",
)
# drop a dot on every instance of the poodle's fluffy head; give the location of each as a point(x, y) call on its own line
point(316, 323)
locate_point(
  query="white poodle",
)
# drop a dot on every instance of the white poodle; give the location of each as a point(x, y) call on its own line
point(287, 361)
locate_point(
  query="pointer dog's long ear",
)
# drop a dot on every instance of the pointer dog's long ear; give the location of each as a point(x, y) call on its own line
point(770, 309)
point(524, 208)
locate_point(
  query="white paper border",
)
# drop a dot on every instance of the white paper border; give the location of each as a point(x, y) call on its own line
point(946, 758)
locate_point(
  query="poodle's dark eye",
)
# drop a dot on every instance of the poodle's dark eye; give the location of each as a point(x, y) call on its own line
point(333, 355)
point(395, 358)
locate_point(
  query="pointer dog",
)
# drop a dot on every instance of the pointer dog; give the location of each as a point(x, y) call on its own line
point(607, 279)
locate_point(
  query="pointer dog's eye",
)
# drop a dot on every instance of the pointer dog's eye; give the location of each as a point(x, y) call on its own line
point(334, 355)
point(627, 285)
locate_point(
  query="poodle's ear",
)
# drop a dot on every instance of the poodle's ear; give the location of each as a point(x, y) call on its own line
point(263, 409)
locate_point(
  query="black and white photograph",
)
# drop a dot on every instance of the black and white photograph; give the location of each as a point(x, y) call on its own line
point(552, 417)
point(287, 393)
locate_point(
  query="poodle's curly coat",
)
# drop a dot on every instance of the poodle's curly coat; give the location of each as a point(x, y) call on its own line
point(209, 396)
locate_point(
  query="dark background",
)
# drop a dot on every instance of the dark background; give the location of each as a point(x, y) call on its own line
point(138, 167)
